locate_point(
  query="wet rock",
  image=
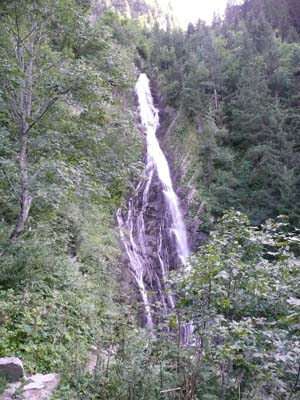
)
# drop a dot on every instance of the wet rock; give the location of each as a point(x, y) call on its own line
point(202, 237)
point(11, 368)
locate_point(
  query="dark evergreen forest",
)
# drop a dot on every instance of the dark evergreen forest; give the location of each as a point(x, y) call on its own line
point(236, 83)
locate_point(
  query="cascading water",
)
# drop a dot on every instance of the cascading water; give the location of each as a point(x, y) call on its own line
point(154, 234)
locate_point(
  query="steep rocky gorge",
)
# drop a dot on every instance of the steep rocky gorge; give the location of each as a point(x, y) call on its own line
point(179, 140)
point(153, 230)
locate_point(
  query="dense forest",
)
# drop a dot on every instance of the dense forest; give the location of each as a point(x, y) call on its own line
point(246, 113)
point(71, 153)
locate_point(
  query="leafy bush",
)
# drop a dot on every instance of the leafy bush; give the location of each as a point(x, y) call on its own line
point(242, 294)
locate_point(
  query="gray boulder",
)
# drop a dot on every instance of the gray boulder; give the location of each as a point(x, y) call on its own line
point(40, 387)
point(11, 368)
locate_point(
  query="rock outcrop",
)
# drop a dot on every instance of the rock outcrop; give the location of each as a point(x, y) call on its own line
point(35, 387)
point(40, 387)
point(11, 368)
point(147, 11)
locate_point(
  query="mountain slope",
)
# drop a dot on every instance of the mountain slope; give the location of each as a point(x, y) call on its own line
point(147, 11)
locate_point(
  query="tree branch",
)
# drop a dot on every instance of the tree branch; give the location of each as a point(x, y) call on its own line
point(170, 390)
point(47, 107)
point(30, 32)
point(296, 383)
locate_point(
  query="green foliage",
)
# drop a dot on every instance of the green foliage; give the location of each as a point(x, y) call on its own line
point(59, 279)
point(130, 373)
point(242, 75)
point(242, 293)
point(3, 384)
point(43, 328)
point(234, 87)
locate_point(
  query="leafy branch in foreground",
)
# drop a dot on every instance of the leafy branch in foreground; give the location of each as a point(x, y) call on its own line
point(242, 293)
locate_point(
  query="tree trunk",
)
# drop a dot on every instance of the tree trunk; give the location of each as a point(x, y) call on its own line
point(24, 182)
point(24, 111)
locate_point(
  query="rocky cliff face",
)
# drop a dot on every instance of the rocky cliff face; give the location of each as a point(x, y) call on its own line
point(183, 160)
point(146, 11)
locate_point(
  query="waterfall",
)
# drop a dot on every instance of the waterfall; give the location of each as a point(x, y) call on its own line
point(154, 233)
